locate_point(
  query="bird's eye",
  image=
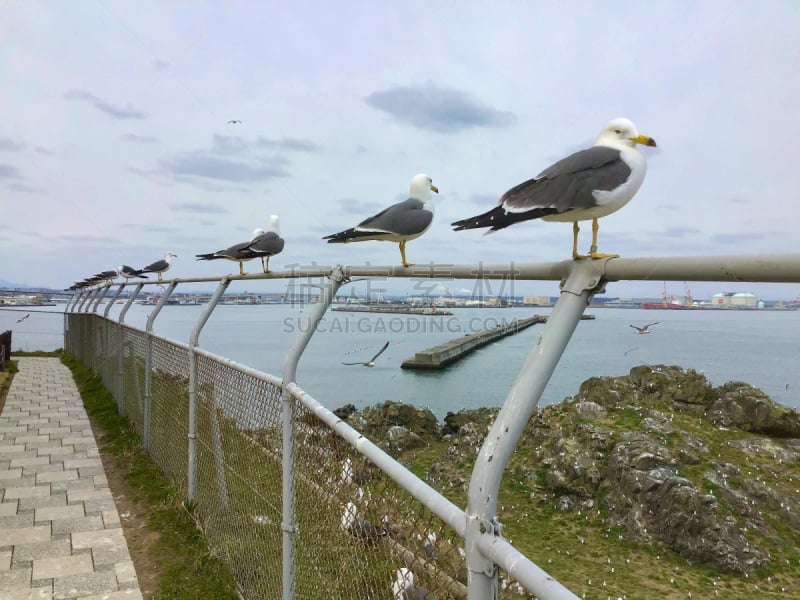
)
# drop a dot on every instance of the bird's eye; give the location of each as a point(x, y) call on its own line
point(617, 131)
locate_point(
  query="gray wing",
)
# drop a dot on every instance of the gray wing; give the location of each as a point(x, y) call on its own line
point(269, 243)
point(159, 265)
point(381, 351)
point(240, 251)
point(569, 183)
point(404, 218)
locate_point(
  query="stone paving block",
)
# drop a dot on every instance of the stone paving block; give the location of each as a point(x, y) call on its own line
point(54, 499)
point(8, 509)
point(110, 518)
point(134, 594)
point(49, 549)
point(37, 593)
point(11, 474)
point(80, 495)
point(17, 521)
point(11, 451)
point(56, 451)
point(15, 578)
point(5, 560)
point(24, 535)
point(51, 476)
point(35, 491)
point(71, 511)
point(98, 506)
point(70, 463)
point(87, 523)
point(30, 460)
point(79, 586)
point(94, 539)
point(62, 566)
point(51, 466)
point(24, 439)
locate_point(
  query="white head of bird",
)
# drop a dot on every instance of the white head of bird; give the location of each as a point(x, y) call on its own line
point(169, 256)
point(274, 225)
point(421, 188)
point(256, 233)
point(621, 132)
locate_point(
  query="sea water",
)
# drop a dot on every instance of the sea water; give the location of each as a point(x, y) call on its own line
point(758, 347)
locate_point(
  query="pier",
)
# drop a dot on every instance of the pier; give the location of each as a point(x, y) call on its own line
point(442, 355)
point(392, 308)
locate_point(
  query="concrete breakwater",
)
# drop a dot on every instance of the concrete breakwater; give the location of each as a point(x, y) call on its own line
point(442, 355)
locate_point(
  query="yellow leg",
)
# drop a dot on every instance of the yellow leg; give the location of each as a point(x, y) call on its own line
point(266, 266)
point(575, 230)
point(403, 255)
point(159, 277)
point(241, 268)
point(593, 253)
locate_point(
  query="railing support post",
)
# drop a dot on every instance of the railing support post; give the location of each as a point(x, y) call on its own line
point(288, 524)
point(120, 361)
point(191, 474)
point(585, 279)
point(148, 363)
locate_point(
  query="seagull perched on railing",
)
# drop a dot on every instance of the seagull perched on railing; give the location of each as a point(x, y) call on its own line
point(238, 252)
point(129, 272)
point(268, 243)
point(645, 328)
point(401, 222)
point(586, 185)
point(160, 266)
point(371, 361)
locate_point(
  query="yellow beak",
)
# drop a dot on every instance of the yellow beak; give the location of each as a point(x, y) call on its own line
point(435, 189)
point(644, 140)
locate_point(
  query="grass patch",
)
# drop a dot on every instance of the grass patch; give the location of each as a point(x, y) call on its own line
point(186, 568)
point(39, 353)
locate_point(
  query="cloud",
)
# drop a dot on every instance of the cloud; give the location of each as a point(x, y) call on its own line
point(212, 167)
point(9, 145)
point(197, 207)
point(9, 172)
point(736, 238)
point(487, 200)
point(139, 139)
point(86, 239)
point(43, 150)
point(675, 232)
point(25, 188)
point(288, 143)
point(126, 112)
point(231, 144)
point(445, 110)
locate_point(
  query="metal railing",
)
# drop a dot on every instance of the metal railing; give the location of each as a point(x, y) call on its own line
point(284, 486)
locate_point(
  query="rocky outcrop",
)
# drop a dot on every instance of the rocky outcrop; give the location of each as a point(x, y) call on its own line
point(705, 471)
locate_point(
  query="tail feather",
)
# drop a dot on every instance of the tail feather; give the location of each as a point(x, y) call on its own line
point(347, 235)
point(498, 218)
point(209, 256)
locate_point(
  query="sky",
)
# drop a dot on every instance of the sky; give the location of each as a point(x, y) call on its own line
point(116, 146)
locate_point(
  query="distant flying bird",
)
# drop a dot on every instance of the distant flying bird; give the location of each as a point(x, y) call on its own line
point(588, 184)
point(238, 252)
point(645, 328)
point(23, 318)
point(371, 361)
point(234, 122)
point(160, 266)
point(129, 272)
point(269, 243)
point(401, 222)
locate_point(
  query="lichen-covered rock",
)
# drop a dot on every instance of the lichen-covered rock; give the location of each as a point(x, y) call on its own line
point(375, 421)
point(740, 405)
point(665, 384)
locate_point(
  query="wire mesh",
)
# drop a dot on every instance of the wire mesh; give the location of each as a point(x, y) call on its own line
point(169, 409)
point(239, 473)
point(360, 534)
point(133, 365)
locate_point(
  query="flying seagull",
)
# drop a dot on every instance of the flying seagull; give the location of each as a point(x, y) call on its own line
point(129, 272)
point(238, 252)
point(23, 318)
point(268, 243)
point(401, 222)
point(587, 185)
point(645, 328)
point(371, 361)
point(160, 266)
point(234, 122)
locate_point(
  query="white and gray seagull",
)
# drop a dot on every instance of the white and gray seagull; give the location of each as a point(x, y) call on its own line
point(268, 243)
point(160, 266)
point(645, 328)
point(586, 185)
point(127, 272)
point(238, 252)
point(371, 361)
point(401, 222)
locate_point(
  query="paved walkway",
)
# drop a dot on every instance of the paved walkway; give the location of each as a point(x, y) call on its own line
point(60, 534)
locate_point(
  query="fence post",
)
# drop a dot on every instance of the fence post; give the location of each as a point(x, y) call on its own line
point(288, 526)
point(102, 294)
point(148, 363)
point(585, 279)
point(120, 362)
point(191, 475)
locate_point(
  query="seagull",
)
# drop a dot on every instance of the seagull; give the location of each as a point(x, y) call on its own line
point(23, 318)
point(359, 527)
point(234, 122)
point(268, 243)
point(129, 272)
point(160, 266)
point(403, 587)
point(645, 328)
point(586, 185)
point(238, 252)
point(401, 222)
point(371, 361)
